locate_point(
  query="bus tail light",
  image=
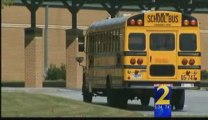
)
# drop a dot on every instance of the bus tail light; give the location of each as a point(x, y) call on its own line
point(139, 61)
point(184, 61)
point(132, 22)
point(133, 61)
point(192, 61)
point(139, 22)
point(193, 22)
point(186, 22)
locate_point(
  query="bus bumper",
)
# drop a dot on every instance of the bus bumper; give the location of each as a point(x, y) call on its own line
point(150, 85)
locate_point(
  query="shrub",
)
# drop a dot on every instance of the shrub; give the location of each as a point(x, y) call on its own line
point(204, 75)
point(55, 73)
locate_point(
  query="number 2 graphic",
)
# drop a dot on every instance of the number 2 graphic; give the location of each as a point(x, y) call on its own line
point(162, 100)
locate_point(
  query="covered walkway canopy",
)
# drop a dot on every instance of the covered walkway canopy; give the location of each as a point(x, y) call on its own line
point(114, 6)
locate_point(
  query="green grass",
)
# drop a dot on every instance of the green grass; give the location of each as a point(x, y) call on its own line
point(20, 104)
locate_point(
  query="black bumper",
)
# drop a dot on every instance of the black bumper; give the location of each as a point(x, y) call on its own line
point(150, 85)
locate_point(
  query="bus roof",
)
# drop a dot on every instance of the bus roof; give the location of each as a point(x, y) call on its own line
point(112, 23)
point(115, 23)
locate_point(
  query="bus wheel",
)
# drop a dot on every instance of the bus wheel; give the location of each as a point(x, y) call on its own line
point(115, 99)
point(109, 92)
point(122, 102)
point(87, 96)
point(145, 100)
point(111, 99)
point(179, 100)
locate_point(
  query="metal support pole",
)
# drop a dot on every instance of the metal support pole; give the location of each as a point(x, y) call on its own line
point(74, 19)
point(33, 14)
point(46, 41)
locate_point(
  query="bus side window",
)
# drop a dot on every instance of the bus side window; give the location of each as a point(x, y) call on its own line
point(108, 41)
point(117, 40)
point(113, 41)
point(104, 42)
point(97, 43)
point(101, 42)
point(93, 45)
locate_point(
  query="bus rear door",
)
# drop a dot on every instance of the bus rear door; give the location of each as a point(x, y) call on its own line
point(162, 55)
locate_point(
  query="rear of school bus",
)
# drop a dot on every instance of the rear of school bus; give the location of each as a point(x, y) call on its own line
point(162, 47)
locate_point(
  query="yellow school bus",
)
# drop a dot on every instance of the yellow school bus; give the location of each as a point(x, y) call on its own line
point(127, 56)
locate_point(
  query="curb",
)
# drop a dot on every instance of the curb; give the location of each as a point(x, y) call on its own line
point(204, 83)
point(204, 88)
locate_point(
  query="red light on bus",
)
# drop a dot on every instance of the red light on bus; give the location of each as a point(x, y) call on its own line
point(133, 61)
point(139, 22)
point(132, 22)
point(186, 22)
point(193, 22)
point(191, 61)
point(184, 61)
point(139, 61)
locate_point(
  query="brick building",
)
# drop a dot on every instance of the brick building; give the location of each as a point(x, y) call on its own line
point(16, 18)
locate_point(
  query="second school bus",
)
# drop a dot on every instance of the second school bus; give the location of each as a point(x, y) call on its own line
point(127, 56)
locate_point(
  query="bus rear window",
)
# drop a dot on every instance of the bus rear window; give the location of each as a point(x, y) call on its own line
point(162, 41)
point(136, 41)
point(188, 42)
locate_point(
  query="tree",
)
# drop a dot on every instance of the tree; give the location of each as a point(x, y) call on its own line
point(6, 3)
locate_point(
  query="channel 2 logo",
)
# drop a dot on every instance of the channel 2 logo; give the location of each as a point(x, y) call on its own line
point(162, 98)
